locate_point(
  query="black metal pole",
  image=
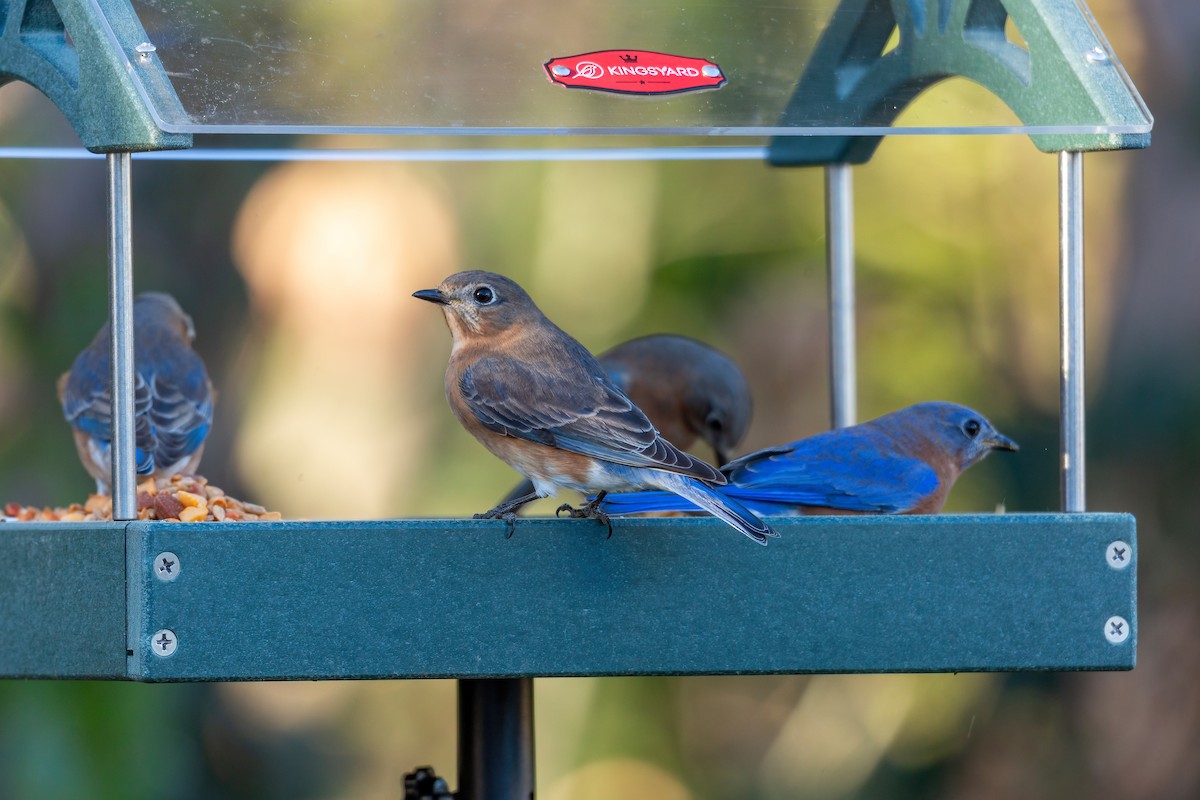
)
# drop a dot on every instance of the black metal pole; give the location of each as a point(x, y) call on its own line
point(495, 739)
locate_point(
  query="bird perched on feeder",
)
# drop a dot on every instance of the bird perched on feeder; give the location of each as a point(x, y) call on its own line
point(172, 400)
point(686, 388)
point(905, 462)
point(539, 401)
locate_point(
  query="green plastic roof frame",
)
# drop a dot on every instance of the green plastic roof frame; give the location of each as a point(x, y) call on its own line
point(1066, 71)
point(821, 77)
point(81, 55)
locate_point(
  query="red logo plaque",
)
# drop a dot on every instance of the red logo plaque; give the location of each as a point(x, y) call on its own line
point(634, 72)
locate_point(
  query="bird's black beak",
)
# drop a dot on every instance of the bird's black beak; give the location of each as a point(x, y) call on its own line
point(1001, 442)
point(433, 296)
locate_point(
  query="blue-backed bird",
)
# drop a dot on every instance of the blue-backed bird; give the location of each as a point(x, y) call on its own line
point(173, 397)
point(539, 401)
point(905, 462)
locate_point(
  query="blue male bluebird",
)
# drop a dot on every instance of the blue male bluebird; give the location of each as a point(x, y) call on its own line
point(172, 401)
point(539, 401)
point(905, 462)
point(686, 388)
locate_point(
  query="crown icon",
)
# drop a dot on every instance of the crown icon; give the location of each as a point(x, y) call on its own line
point(629, 59)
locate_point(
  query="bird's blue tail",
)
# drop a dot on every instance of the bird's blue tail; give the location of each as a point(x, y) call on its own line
point(644, 502)
point(724, 508)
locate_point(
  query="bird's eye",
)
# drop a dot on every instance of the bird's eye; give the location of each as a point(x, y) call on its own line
point(484, 295)
point(971, 428)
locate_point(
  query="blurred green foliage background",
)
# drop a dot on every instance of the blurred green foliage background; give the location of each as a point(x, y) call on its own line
point(298, 276)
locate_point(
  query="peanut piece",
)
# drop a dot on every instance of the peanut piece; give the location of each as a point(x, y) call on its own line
point(192, 514)
point(193, 500)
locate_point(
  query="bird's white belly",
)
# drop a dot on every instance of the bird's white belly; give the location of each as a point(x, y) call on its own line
point(600, 477)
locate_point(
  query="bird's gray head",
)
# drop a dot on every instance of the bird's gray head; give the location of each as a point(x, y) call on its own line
point(160, 308)
point(719, 406)
point(960, 432)
point(480, 304)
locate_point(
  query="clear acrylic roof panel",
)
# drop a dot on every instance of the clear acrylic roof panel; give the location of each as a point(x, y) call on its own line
point(484, 66)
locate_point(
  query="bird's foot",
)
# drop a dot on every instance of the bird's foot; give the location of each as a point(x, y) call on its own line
point(499, 512)
point(589, 510)
point(507, 511)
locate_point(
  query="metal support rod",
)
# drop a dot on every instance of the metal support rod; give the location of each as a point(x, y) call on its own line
point(495, 739)
point(1071, 329)
point(120, 315)
point(839, 253)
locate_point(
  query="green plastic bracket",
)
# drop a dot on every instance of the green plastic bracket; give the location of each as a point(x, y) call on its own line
point(83, 54)
point(1066, 73)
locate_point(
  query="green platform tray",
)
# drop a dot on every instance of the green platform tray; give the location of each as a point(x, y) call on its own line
point(456, 599)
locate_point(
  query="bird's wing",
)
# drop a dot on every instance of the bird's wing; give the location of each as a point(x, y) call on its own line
point(181, 408)
point(572, 408)
point(87, 406)
point(840, 470)
point(84, 394)
point(758, 455)
point(882, 486)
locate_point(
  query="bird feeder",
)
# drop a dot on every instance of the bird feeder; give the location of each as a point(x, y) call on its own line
point(805, 84)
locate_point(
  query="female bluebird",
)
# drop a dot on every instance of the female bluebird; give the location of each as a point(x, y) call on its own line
point(539, 401)
point(684, 387)
point(905, 462)
point(172, 401)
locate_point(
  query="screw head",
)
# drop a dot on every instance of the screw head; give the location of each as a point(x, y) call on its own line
point(166, 566)
point(144, 51)
point(560, 70)
point(1096, 55)
point(710, 71)
point(1119, 555)
point(1116, 630)
point(163, 643)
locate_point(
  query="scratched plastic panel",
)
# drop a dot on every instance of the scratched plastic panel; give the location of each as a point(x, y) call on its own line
point(430, 66)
